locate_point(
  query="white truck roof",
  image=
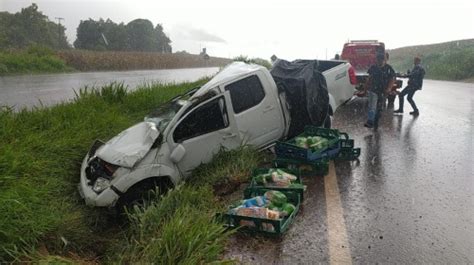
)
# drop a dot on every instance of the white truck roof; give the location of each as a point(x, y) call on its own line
point(229, 73)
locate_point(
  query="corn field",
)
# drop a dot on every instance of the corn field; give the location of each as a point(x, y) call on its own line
point(100, 61)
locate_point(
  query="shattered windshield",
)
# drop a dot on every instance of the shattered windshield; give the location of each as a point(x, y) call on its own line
point(162, 115)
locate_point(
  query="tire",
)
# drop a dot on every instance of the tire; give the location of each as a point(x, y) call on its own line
point(140, 193)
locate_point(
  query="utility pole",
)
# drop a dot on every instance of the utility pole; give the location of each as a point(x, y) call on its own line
point(59, 30)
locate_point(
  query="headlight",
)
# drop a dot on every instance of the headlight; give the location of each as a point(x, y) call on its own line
point(100, 185)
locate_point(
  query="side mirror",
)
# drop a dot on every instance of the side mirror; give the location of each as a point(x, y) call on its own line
point(178, 153)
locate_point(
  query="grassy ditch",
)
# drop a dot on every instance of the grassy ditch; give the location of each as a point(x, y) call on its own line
point(40, 157)
point(35, 59)
point(44, 220)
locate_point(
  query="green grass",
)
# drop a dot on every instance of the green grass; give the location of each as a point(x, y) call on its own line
point(40, 155)
point(228, 166)
point(445, 61)
point(177, 229)
point(35, 59)
point(180, 228)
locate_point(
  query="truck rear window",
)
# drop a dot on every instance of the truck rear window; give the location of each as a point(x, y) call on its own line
point(245, 93)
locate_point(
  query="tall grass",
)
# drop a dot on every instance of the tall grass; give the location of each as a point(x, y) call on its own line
point(107, 60)
point(178, 229)
point(228, 166)
point(35, 59)
point(40, 155)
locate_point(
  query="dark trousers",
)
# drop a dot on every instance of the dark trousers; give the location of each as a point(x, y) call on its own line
point(410, 91)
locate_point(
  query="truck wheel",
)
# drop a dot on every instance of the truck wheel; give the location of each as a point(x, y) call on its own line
point(328, 122)
point(142, 192)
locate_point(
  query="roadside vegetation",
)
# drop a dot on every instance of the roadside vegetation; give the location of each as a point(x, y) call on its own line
point(83, 60)
point(101, 45)
point(35, 59)
point(444, 61)
point(43, 218)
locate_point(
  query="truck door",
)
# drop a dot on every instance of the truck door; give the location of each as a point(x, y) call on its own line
point(203, 131)
point(257, 110)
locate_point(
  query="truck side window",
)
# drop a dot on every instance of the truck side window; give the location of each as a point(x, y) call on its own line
point(246, 93)
point(207, 118)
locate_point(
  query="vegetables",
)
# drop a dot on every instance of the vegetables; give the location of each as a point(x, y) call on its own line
point(312, 142)
point(276, 197)
point(272, 205)
point(287, 209)
point(275, 178)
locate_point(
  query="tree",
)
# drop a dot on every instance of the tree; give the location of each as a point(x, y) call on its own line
point(116, 36)
point(89, 35)
point(141, 35)
point(137, 35)
point(30, 27)
point(163, 41)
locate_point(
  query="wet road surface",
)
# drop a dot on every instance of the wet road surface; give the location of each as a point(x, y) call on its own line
point(408, 200)
point(49, 89)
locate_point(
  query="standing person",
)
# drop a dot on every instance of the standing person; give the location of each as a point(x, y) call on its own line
point(391, 90)
point(415, 82)
point(380, 80)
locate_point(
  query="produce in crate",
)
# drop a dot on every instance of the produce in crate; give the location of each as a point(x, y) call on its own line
point(259, 201)
point(273, 205)
point(277, 198)
point(312, 142)
point(275, 177)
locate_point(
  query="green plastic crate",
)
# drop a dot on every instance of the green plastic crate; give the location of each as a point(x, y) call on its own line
point(307, 168)
point(256, 186)
point(290, 150)
point(348, 154)
point(280, 226)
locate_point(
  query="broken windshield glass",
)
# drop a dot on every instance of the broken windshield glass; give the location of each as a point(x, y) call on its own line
point(162, 115)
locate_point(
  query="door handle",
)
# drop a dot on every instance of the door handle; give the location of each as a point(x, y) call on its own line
point(268, 108)
point(230, 135)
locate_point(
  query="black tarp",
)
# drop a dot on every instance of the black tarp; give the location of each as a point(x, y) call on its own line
point(306, 92)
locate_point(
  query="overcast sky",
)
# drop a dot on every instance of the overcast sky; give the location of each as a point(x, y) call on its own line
point(290, 29)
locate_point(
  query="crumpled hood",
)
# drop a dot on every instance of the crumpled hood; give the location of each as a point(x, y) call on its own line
point(129, 146)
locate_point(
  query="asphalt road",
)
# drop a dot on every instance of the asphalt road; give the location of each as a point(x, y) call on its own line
point(48, 89)
point(408, 200)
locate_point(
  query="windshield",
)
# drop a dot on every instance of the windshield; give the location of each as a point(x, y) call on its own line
point(162, 115)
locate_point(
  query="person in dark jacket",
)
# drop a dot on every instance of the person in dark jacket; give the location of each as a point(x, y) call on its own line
point(381, 76)
point(415, 82)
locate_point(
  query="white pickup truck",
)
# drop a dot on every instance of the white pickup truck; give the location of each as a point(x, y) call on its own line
point(242, 104)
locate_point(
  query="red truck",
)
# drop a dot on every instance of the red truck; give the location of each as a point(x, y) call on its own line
point(361, 54)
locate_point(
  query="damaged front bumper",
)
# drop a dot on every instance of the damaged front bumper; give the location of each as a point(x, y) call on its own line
point(106, 198)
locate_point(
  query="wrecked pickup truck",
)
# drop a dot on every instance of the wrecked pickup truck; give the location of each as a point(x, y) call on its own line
point(242, 104)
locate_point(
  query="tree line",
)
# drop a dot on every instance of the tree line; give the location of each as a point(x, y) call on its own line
point(31, 27)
